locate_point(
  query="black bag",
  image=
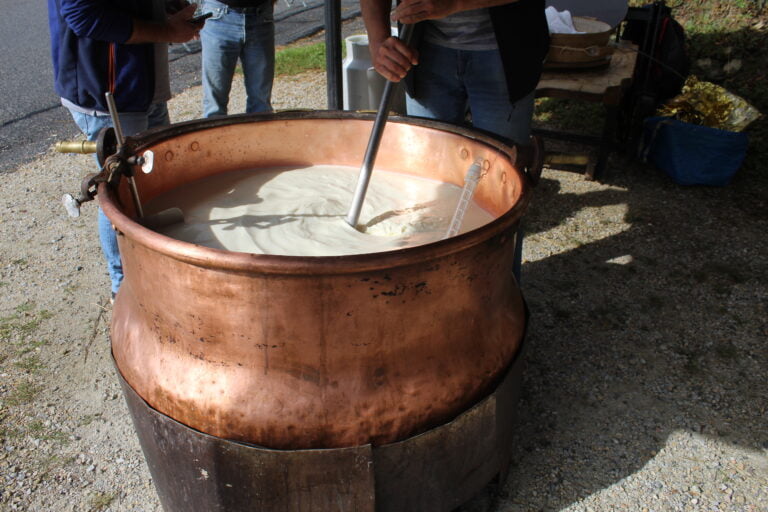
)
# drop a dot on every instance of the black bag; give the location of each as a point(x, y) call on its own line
point(662, 64)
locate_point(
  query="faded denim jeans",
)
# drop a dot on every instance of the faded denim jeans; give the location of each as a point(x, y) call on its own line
point(449, 81)
point(230, 35)
point(131, 123)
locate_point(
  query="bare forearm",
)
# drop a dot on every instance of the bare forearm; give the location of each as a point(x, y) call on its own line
point(376, 15)
point(391, 57)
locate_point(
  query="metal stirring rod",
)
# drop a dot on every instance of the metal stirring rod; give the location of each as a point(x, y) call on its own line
point(120, 141)
point(373, 143)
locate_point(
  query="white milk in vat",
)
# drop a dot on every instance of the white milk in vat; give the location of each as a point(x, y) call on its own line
point(301, 211)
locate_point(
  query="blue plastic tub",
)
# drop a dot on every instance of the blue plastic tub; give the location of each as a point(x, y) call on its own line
point(691, 154)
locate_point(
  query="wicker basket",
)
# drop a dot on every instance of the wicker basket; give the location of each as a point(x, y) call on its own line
point(589, 49)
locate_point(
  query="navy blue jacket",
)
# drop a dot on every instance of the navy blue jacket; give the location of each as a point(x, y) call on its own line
point(90, 57)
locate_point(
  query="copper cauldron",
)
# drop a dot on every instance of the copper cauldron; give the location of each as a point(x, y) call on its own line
point(317, 352)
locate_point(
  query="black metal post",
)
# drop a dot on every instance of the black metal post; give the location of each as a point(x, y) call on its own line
point(333, 54)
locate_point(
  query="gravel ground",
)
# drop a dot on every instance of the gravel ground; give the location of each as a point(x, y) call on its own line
point(645, 388)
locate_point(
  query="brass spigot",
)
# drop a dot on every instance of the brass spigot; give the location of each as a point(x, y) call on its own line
point(83, 147)
point(104, 145)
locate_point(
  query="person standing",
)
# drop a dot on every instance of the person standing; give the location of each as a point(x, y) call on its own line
point(477, 59)
point(100, 46)
point(238, 30)
point(484, 57)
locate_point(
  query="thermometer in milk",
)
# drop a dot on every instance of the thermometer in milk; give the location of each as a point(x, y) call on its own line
point(470, 182)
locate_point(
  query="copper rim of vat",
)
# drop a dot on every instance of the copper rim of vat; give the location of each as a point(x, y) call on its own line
point(292, 352)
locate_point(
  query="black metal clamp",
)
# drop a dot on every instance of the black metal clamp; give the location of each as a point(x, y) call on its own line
point(112, 155)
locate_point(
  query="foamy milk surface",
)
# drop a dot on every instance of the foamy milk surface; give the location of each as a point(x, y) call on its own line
point(301, 211)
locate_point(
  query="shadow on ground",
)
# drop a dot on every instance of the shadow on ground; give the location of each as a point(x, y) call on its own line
point(655, 330)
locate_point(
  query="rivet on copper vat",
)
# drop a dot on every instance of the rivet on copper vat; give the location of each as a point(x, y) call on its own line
point(350, 371)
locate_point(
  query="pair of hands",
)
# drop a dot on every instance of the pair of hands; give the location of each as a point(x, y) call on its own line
point(179, 28)
point(391, 57)
point(176, 29)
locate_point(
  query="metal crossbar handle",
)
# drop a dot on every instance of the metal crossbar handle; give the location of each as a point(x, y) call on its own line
point(373, 143)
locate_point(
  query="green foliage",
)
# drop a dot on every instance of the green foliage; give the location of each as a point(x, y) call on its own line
point(27, 307)
point(29, 346)
point(23, 322)
point(30, 364)
point(7, 432)
point(726, 43)
point(297, 59)
point(39, 431)
point(23, 393)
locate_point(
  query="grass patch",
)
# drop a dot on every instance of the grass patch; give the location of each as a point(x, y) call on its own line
point(297, 59)
point(30, 364)
point(101, 500)
point(23, 322)
point(38, 430)
point(31, 346)
point(56, 436)
point(9, 433)
point(46, 465)
point(88, 419)
point(36, 427)
point(24, 393)
point(27, 307)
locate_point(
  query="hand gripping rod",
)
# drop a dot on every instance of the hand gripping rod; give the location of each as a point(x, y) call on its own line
point(373, 143)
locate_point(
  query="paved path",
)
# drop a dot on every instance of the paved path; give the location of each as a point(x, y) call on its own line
point(31, 117)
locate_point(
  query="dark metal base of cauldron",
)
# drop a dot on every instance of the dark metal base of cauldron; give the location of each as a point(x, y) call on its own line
point(437, 470)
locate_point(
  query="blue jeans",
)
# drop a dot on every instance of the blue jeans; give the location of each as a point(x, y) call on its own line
point(132, 123)
point(228, 36)
point(449, 82)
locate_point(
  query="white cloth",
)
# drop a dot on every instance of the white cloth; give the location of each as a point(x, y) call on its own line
point(560, 22)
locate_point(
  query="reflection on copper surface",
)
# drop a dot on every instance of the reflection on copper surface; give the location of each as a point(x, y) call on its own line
point(310, 352)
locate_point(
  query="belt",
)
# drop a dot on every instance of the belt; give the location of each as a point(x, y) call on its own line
point(247, 10)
